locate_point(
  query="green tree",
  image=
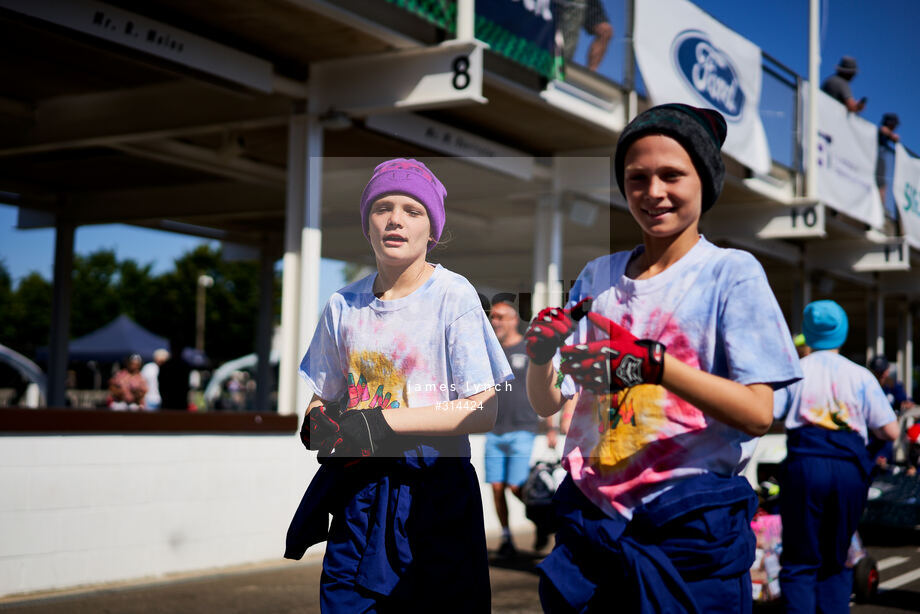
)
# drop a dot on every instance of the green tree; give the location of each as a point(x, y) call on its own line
point(30, 314)
point(104, 287)
point(94, 299)
point(7, 326)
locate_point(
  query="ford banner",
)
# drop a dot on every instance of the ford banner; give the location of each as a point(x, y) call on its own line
point(906, 191)
point(687, 56)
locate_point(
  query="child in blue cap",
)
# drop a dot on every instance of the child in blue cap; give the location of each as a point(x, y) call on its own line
point(671, 375)
point(828, 416)
point(403, 365)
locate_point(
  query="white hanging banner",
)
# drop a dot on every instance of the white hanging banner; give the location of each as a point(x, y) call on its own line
point(847, 149)
point(906, 186)
point(687, 56)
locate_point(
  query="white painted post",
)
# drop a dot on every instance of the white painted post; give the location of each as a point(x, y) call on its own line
point(908, 380)
point(310, 244)
point(466, 19)
point(290, 281)
point(814, 67)
point(541, 253)
point(879, 324)
point(554, 282)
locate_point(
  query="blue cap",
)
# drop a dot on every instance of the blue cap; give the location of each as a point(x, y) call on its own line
point(825, 325)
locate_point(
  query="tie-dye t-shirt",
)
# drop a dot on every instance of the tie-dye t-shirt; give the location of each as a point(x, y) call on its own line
point(433, 345)
point(714, 310)
point(836, 394)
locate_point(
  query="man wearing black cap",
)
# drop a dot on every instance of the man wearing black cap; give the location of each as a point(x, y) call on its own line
point(838, 85)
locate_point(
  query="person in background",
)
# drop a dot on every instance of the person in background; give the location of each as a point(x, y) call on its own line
point(127, 388)
point(801, 347)
point(510, 443)
point(575, 15)
point(828, 416)
point(894, 391)
point(173, 380)
point(151, 373)
point(838, 85)
point(913, 449)
point(887, 137)
point(883, 451)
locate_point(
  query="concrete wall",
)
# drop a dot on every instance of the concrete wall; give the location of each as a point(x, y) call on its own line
point(88, 509)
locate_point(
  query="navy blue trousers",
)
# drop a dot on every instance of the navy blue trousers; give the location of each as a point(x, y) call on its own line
point(689, 550)
point(406, 541)
point(821, 501)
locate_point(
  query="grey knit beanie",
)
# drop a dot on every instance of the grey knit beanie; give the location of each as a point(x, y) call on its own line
point(700, 132)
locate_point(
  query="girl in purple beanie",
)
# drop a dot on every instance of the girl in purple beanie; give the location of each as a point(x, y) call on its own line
point(403, 365)
point(670, 372)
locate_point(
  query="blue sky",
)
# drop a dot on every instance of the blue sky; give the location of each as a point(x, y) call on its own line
point(880, 34)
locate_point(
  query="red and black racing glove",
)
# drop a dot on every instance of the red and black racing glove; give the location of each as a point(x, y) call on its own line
point(622, 361)
point(361, 433)
point(549, 330)
point(320, 429)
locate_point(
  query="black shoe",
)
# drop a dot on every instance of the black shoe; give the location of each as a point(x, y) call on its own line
point(507, 549)
point(540, 542)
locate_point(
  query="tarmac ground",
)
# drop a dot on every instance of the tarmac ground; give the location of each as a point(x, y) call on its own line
point(289, 587)
point(285, 588)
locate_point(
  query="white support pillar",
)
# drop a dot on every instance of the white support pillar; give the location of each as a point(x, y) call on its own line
point(879, 324)
point(870, 328)
point(875, 317)
point(264, 329)
point(58, 352)
point(905, 347)
point(310, 244)
point(554, 282)
point(814, 74)
point(542, 216)
point(466, 20)
point(908, 380)
point(290, 280)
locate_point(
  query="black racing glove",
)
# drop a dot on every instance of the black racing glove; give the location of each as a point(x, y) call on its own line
point(320, 429)
point(362, 433)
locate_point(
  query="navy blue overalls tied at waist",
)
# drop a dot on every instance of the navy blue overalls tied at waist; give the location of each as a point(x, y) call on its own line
point(375, 497)
point(699, 530)
point(819, 441)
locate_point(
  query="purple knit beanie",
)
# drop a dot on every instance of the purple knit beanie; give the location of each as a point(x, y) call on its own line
point(412, 178)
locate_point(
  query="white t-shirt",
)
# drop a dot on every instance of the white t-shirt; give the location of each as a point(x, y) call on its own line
point(431, 346)
point(715, 311)
point(151, 374)
point(836, 394)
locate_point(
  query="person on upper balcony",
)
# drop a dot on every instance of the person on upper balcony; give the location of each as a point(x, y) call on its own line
point(887, 137)
point(838, 85)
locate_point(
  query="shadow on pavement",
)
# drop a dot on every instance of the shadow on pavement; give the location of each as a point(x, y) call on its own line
point(882, 536)
point(522, 561)
point(904, 601)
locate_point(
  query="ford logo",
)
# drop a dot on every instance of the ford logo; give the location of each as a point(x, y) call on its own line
point(709, 72)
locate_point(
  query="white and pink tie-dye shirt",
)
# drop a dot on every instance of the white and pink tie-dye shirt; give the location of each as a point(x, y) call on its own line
point(715, 311)
point(836, 394)
point(431, 346)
